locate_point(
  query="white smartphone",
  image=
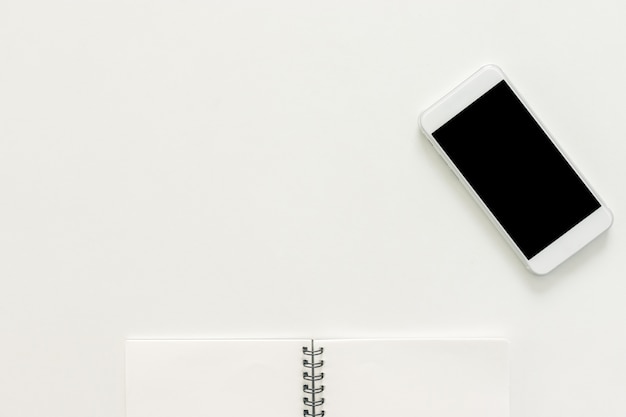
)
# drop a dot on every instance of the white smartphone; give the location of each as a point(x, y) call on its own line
point(514, 169)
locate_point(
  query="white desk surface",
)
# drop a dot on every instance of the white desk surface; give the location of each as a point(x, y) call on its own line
point(254, 169)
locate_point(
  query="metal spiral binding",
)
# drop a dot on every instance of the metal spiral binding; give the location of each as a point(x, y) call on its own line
point(313, 375)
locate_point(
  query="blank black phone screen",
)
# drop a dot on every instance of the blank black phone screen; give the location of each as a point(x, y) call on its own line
point(516, 170)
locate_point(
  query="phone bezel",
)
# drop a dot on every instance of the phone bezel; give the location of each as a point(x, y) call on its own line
point(458, 99)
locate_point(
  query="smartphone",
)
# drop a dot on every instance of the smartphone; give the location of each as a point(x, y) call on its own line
point(514, 169)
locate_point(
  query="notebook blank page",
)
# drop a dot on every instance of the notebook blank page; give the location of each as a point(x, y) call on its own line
point(214, 378)
point(434, 378)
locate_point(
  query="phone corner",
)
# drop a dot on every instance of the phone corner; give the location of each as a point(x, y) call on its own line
point(540, 267)
point(491, 67)
point(421, 122)
point(538, 272)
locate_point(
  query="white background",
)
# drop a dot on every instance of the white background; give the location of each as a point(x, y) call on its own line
point(254, 169)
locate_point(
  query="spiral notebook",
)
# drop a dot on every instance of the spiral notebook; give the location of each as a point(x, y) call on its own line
point(315, 378)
